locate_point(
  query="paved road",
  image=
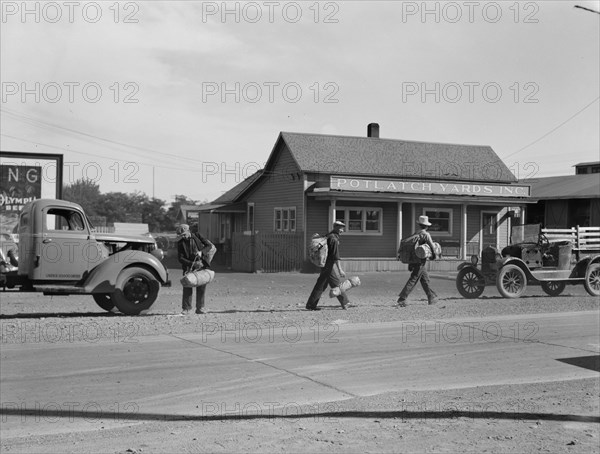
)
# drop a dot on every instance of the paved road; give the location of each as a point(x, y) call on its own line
point(226, 370)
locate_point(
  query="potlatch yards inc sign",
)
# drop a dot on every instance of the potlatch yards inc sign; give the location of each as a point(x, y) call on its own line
point(427, 187)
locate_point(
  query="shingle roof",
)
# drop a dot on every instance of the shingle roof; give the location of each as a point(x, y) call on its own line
point(231, 195)
point(565, 187)
point(345, 155)
point(590, 163)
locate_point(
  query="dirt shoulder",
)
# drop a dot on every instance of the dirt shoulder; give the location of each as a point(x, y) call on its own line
point(535, 417)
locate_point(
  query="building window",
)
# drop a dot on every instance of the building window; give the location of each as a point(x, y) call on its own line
point(361, 221)
point(225, 230)
point(250, 217)
point(441, 220)
point(284, 219)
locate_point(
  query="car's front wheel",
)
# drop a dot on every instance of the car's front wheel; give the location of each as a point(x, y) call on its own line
point(136, 290)
point(104, 300)
point(511, 281)
point(470, 283)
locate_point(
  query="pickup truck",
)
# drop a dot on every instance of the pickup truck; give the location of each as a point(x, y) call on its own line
point(60, 253)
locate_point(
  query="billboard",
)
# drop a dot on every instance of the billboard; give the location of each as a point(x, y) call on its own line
point(25, 177)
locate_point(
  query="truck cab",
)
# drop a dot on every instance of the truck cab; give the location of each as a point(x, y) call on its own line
point(60, 253)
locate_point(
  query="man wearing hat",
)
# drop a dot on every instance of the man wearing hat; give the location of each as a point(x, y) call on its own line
point(419, 269)
point(189, 254)
point(332, 272)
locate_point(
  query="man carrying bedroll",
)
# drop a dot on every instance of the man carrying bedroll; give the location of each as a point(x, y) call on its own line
point(332, 272)
point(419, 268)
point(189, 254)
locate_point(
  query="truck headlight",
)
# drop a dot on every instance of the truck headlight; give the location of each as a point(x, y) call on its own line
point(158, 253)
point(474, 260)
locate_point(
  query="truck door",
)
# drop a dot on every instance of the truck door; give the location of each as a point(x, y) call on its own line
point(66, 245)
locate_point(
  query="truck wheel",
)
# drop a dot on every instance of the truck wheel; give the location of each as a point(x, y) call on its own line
point(470, 283)
point(136, 290)
point(511, 281)
point(592, 279)
point(553, 288)
point(105, 301)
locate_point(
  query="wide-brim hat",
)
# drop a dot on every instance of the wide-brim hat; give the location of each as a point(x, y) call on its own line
point(339, 224)
point(182, 230)
point(424, 220)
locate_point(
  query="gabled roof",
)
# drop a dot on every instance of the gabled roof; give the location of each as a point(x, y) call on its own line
point(590, 163)
point(368, 156)
point(565, 186)
point(345, 155)
point(231, 195)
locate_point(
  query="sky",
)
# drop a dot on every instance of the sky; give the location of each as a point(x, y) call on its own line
point(188, 97)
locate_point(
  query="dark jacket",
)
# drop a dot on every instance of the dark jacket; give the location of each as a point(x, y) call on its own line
point(333, 249)
point(187, 248)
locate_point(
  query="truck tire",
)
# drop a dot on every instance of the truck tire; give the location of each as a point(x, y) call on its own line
point(470, 283)
point(511, 281)
point(592, 279)
point(104, 300)
point(136, 290)
point(553, 288)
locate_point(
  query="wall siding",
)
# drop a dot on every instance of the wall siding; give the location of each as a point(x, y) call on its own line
point(284, 188)
point(376, 246)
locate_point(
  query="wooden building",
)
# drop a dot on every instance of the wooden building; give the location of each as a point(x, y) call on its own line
point(378, 187)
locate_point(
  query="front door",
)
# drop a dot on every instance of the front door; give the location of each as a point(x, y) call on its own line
point(66, 246)
point(489, 229)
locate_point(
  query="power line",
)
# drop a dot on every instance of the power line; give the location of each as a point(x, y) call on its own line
point(587, 9)
point(95, 155)
point(40, 123)
point(553, 129)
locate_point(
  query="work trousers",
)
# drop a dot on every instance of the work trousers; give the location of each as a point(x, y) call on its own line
point(329, 277)
point(419, 273)
point(186, 299)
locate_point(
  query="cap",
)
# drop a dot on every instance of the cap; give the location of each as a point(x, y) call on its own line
point(339, 224)
point(424, 220)
point(182, 229)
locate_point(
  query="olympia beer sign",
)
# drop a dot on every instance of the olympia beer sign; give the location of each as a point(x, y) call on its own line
point(427, 187)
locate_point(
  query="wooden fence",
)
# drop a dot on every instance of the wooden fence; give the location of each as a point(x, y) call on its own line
point(267, 252)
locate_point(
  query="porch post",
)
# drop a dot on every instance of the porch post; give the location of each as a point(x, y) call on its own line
point(331, 214)
point(463, 232)
point(399, 228)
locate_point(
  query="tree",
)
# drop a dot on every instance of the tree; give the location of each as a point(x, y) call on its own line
point(86, 193)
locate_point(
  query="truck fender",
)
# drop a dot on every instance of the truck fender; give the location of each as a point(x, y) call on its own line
point(518, 262)
point(581, 267)
point(103, 278)
point(465, 265)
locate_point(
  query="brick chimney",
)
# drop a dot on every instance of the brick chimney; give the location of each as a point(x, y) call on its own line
point(373, 130)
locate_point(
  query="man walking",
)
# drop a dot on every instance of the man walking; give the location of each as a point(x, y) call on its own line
point(332, 272)
point(419, 269)
point(189, 254)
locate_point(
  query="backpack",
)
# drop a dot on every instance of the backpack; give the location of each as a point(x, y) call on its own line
point(318, 250)
point(406, 251)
